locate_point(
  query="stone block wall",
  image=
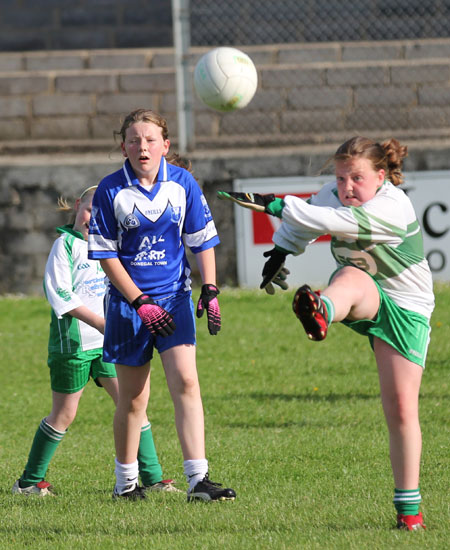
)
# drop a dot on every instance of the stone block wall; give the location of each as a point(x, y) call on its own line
point(58, 111)
point(307, 93)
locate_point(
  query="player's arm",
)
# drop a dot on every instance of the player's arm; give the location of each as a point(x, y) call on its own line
point(83, 313)
point(206, 261)
point(274, 271)
point(155, 318)
point(254, 201)
point(58, 283)
point(297, 212)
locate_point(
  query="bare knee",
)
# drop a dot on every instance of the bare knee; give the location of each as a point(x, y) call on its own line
point(189, 385)
point(133, 404)
point(400, 412)
point(62, 419)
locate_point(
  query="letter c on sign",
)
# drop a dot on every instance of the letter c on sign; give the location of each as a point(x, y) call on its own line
point(426, 220)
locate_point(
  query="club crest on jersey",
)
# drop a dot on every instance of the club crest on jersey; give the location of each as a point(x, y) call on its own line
point(175, 214)
point(131, 221)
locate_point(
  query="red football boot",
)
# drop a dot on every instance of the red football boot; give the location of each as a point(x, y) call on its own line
point(312, 313)
point(411, 523)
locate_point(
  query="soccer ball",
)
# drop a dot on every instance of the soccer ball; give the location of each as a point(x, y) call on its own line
point(225, 79)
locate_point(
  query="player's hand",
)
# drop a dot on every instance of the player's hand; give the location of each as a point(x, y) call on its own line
point(274, 271)
point(158, 321)
point(208, 300)
point(254, 201)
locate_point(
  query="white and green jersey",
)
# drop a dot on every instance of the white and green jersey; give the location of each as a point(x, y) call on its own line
point(382, 236)
point(72, 280)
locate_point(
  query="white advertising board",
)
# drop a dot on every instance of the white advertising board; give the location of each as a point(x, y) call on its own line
point(428, 191)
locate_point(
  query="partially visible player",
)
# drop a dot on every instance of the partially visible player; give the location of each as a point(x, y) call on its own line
point(75, 288)
point(144, 216)
point(382, 287)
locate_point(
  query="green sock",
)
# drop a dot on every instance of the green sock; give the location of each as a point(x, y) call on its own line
point(329, 307)
point(45, 442)
point(149, 468)
point(407, 502)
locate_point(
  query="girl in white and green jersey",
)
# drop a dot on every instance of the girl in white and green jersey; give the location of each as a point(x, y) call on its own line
point(75, 288)
point(382, 286)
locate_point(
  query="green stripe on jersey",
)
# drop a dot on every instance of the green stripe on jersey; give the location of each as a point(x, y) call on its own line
point(382, 260)
point(68, 244)
point(365, 228)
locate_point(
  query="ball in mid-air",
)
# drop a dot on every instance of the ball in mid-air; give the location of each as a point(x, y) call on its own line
point(225, 79)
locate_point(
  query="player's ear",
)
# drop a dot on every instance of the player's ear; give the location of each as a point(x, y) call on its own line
point(166, 147)
point(124, 153)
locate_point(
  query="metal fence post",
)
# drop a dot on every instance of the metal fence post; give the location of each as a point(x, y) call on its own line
point(182, 42)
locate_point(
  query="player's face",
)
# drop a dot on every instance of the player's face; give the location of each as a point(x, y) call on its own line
point(144, 146)
point(357, 181)
point(83, 209)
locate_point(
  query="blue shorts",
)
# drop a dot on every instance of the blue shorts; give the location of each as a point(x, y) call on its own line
point(129, 342)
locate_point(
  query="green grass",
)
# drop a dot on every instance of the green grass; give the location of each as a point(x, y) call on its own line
point(295, 427)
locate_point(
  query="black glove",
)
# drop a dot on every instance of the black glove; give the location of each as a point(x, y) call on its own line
point(274, 271)
point(253, 201)
point(155, 318)
point(208, 300)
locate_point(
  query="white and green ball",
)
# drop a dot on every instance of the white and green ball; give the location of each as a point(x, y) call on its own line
point(225, 79)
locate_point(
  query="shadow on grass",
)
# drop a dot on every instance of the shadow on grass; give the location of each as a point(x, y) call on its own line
point(329, 397)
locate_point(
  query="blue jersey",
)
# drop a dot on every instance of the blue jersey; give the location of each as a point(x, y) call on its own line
point(148, 229)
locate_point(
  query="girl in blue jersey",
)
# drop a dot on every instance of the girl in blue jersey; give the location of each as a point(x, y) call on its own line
point(75, 288)
point(143, 216)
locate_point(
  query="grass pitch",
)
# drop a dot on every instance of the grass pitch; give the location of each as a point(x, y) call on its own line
point(294, 426)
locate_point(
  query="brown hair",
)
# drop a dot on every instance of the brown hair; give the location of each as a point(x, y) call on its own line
point(387, 156)
point(147, 115)
point(65, 206)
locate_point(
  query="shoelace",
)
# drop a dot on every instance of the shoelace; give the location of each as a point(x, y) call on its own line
point(207, 480)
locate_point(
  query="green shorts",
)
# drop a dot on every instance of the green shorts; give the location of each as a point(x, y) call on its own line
point(70, 372)
point(406, 331)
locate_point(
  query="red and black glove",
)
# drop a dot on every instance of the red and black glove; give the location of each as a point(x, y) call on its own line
point(208, 300)
point(158, 321)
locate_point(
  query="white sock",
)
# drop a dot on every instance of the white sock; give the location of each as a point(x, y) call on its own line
point(195, 471)
point(126, 475)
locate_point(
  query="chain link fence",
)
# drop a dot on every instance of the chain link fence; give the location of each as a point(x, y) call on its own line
point(327, 69)
point(249, 22)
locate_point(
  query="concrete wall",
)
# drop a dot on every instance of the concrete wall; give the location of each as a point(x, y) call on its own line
point(307, 93)
point(58, 111)
point(29, 189)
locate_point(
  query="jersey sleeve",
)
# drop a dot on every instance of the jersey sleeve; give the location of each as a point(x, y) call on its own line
point(377, 221)
point(58, 283)
point(199, 230)
point(102, 240)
